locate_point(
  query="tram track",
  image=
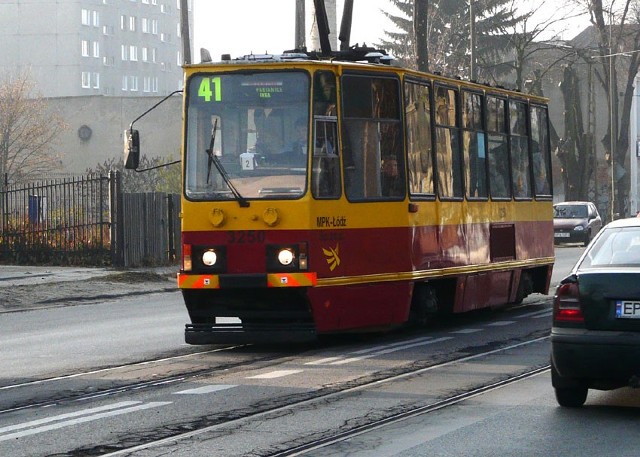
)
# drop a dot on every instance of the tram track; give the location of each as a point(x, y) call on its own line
point(96, 392)
point(329, 395)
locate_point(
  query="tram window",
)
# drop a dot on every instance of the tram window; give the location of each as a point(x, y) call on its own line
point(498, 153)
point(520, 165)
point(473, 145)
point(419, 146)
point(324, 95)
point(325, 177)
point(540, 151)
point(373, 154)
point(447, 143)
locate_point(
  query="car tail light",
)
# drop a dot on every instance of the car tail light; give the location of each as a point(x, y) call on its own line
point(566, 304)
point(187, 264)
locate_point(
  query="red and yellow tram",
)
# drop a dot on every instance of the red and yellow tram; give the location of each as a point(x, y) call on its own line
point(340, 196)
point(335, 192)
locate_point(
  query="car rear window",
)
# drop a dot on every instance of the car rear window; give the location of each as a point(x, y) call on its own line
point(614, 247)
point(570, 211)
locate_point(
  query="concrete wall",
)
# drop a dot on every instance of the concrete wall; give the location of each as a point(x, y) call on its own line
point(106, 119)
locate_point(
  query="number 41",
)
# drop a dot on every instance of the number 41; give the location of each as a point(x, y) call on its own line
point(205, 89)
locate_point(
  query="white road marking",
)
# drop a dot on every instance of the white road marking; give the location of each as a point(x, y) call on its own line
point(206, 389)
point(323, 361)
point(422, 342)
point(467, 330)
point(500, 323)
point(275, 374)
point(88, 416)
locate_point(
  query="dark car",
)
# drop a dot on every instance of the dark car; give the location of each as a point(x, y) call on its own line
point(595, 336)
point(575, 222)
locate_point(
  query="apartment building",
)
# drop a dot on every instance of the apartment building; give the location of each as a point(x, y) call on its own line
point(94, 47)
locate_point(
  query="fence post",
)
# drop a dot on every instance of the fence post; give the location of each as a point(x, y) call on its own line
point(116, 216)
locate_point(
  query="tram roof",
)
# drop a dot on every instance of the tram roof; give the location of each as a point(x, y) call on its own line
point(372, 59)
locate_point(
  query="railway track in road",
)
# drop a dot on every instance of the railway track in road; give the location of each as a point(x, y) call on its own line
point(395, 418)
point(334, 395)
point(323, 373)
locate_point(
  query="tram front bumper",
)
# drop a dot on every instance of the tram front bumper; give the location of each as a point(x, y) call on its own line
point(256, 333)
point(214, 281)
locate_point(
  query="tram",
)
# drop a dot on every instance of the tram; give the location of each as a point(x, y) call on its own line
point(332, 191)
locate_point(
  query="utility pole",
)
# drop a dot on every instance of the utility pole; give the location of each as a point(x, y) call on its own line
point(472, 33)
point(301, 29)
point(185, 31)
point(420, 33)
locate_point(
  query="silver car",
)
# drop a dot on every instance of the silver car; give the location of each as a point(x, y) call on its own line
point(575, 222)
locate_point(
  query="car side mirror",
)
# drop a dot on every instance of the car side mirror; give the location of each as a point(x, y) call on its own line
point(131, 149)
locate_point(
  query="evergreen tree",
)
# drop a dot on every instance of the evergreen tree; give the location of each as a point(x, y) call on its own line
point(449, 35)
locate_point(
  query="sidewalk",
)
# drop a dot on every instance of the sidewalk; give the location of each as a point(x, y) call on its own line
point(25, 288)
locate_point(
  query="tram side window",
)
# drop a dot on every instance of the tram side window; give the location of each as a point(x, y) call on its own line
point(372, 140)
point(419, 146)
point(499, 184)
point(540, 151)
point(448, 160)
point(325, 170)
point(520, 165)
point(473, 145)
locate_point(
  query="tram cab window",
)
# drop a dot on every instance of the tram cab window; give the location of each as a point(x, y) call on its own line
point(419, 138)
point(520, 166)
point(248, 135)
point(372, 138)
point(448, 161)
point(473, 145)
point(499, 183)
point(540, 152)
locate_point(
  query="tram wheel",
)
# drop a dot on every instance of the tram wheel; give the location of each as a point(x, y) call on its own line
point(424, 306)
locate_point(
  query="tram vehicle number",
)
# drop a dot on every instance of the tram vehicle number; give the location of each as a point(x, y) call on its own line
point(246, 237)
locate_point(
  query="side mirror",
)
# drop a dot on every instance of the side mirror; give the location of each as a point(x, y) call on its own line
point(131, 149)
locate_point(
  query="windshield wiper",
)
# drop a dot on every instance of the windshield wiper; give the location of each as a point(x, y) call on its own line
point(213, 159)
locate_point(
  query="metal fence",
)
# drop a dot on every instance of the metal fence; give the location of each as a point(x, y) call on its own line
point(87, 221)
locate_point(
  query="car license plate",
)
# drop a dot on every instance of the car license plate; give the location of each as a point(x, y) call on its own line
point(562, 235)
point(627, 309)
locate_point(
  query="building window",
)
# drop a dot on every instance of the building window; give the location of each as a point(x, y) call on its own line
point(133, 53)
point(153, 55)
point(145, 54)
point(145, 25)
point(86, 17)
point(179, 59)
point(146, 84)
point(124, 50)
point(85, 48)
point(108, 61)
point(178, 30)
point(86, 80)
point(154, 84)
point(125, 82)
point(133, 83)
point(96, 80)
point(96, 18)
point(96, 49)
point(123, 22)
point(154, 26)
point(132, 23)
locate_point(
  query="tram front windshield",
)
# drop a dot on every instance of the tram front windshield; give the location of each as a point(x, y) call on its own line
point(247, 135)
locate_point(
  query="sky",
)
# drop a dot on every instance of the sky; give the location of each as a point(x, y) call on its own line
point(240, 27)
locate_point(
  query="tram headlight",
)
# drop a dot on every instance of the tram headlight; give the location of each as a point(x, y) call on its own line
point(286, 257)
point(209, 257)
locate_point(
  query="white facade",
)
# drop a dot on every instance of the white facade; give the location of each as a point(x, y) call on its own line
point(93, 47)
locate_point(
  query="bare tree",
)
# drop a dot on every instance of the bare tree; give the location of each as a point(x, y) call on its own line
point(617, 27)
point(27, 130)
